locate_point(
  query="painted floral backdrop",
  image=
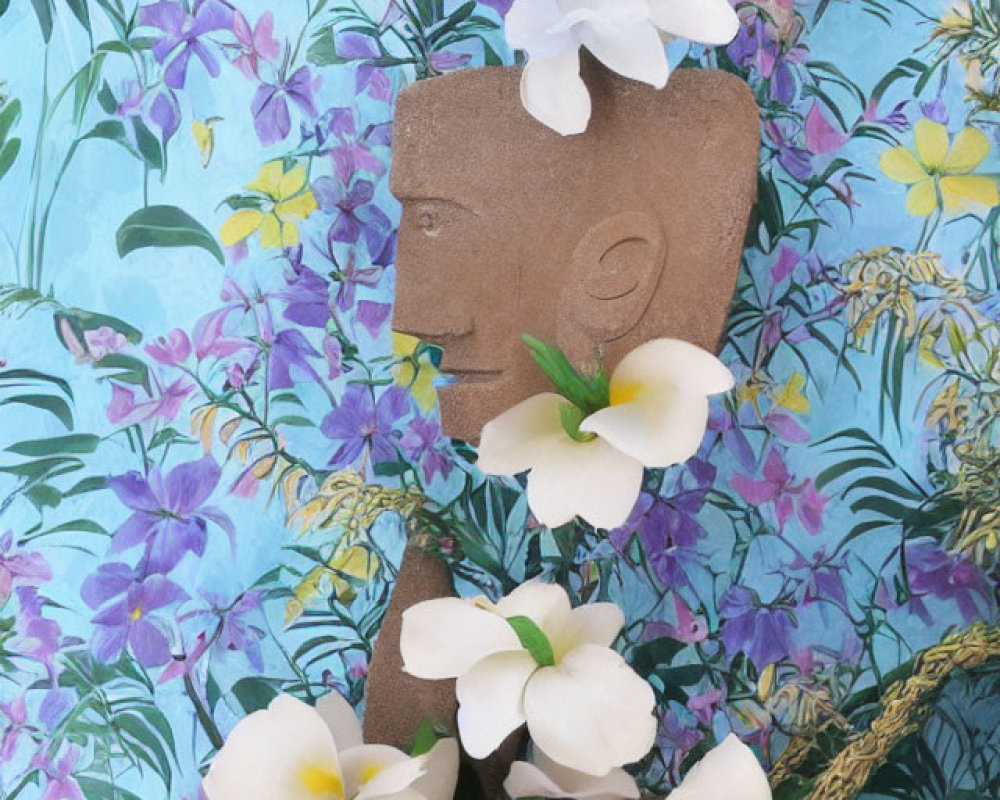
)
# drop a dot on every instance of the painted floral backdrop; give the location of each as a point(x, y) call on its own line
point(211, 441)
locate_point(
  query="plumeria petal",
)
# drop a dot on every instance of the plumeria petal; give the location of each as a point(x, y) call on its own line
point(278, 753)
point(597, 623)
point(661, 431)
point(443, 638)
point(553, 92)
point(513, 442)
point(729, 770)
point(535, 27)
point(378, 770)
point(712, 22)
point(545, 604)
point(669, 363)
point(634, 50)
point(490, 700)
point(591, 712)
point(341, 719)
point(441, 775)
point(593, 480)
point(545, 778)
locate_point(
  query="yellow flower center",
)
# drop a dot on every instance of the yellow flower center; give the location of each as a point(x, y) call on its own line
point(621, 393)
point(136, 614)
point(322, 783)
point(369, 771)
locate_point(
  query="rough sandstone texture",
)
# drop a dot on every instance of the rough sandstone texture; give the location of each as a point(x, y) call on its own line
point(598, 242)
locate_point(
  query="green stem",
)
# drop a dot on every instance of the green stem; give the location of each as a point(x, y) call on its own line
point(48, 210)
point(207, 723)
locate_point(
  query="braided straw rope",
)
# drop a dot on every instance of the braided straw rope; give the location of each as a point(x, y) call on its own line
point(904, 706)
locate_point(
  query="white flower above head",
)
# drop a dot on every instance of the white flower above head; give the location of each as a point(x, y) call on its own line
point(291, 751)
point(624, 34)
point(654, 415)
point(542, 777)
point(532, 659)
point(729, 771)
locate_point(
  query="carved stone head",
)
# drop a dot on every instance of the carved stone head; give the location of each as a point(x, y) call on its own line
point(597, 242)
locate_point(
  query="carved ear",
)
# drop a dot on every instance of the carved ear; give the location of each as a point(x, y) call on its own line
point(613, 276)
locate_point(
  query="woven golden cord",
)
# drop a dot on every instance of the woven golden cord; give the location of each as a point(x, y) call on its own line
point(904, 706)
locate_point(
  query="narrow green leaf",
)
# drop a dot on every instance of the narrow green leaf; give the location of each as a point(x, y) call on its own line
point(589, 394)
point(81, 525)
point(8, 154)
point(533, 640)
point(74, 443)
point(9, 115)
point(149, 145)
point(47, 402)
point(165, 226)
point(43, 10)
point(79, 9)
point(107, 99)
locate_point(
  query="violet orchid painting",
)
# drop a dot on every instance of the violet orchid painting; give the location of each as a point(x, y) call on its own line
point(213, 446)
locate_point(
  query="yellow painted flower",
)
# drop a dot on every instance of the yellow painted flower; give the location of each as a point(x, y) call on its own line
point(792, 395)
point(287, 201)
point(938, 172)
point(415, 372)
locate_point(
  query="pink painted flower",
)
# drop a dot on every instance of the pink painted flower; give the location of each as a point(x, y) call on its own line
point(164, 403)
point(254, 45)
point(171, 350)
point(777, 487)
point(18, 567)
point(821, 135)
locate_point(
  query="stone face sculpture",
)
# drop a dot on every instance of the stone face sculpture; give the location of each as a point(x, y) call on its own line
point(602, 241)
point(597, 242)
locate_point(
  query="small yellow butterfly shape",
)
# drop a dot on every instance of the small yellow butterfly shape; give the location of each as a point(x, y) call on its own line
point(792, 396)
point(204, 136)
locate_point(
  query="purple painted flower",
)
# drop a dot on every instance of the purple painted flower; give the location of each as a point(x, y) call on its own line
point(35, 636)
point(226, 628)
point(689, 628)
point(183, 32)
point(424, 444)
point(500, 6)
point(704, 705)
point(352, 148)
point(731, 432)
point(169, 516)
point(666, 525)
point(350, 277)
point(781, 136)
point(254, 45)
point(355, 216)
point(361, 425)
point(126, 617)
point(333, 350)
point(156, 107)
point(19, 567)
point(269, 107)
point(171, 350)
point(372, 316)
point(217, 333)
point(17, 713)
point(290, 352)
point(60, 783)
point(763, 633)
point(307, 295)
point(824, 579)
point(777, 487)
point(931, 572)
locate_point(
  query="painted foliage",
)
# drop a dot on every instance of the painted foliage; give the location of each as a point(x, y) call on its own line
point(213, 445)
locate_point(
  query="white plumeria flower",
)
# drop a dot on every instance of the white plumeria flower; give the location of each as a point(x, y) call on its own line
point(729, 771)
point(587, 710)
point(543, 777)
point(624, 34)
point(291, 751)
point(657, 417)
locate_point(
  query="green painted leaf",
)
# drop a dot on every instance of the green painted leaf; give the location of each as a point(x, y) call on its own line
point(533, 640)
point(8, 154)
point(81, 525)
point(4, 5)
point(254, 694)
point(74, 443)
point(165, 226)
point(79, 9)
point(47, 402)
point(43, 10)
point(10, 113)
point(149, 145)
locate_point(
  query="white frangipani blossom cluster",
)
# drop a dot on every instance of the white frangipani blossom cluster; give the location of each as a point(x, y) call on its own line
point(626, 35)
